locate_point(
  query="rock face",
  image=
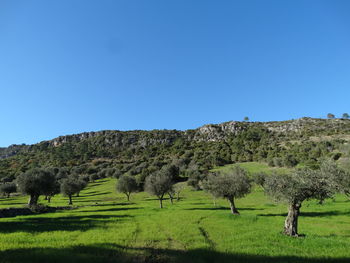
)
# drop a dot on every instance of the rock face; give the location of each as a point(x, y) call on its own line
point(13, 150)
point(207, 133)
point(218, 132)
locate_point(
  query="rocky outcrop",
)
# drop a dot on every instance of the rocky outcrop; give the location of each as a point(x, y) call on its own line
point(209, 133)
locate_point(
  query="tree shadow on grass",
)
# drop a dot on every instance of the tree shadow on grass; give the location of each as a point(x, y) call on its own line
point(114, 204)
point(93, 194)
point(222, 208)
point(312, 214)
point(77, 200)
point(18, 203)
point(114, 253)
point(69, 223)
point(111, 209)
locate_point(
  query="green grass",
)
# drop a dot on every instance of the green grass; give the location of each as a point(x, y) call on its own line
point(254, 167)
point(105, 228)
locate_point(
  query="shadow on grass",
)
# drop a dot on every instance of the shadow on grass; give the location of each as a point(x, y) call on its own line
point(94, 194)
point(114, 209)
point(114, 253)
point(69, 223)
point(115, 204)
point(313, 214)
point(77, 200)
point(10, 203)
point(222, 208)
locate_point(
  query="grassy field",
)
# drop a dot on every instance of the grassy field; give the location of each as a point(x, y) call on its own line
point(105, 228)
point(254, 167)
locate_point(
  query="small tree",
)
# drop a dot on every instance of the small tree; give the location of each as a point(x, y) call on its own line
point(330, 116)
point(301, 185)
point(159, 184)
point(7, 188)
point(53, 191)
point(195, 179)
point(36, 182)
point(127, 185)
point(82, 184)
point(178, 189)
point(171, 194)
point(246, 119)
point(259, 178)
point(346, 116)
point(70, 186)
point(229, 185)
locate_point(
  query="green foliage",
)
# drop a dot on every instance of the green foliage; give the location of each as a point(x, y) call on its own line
point(8, 188)
point(301, 185)
point(103, 154)
point(36, 182)
point(229, 184)
point(159, 184)
point(127, 185)
point(72, 185)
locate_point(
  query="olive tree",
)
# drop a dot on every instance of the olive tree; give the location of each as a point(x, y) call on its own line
point(36, 182)
point(230, 184)
point(159, 184)
point(178, 188)
point(7, 188)
point(49, 193)
point(72, 185)
point(346, 116)
point(300, 185)
point(330, 116)
point(127, 185)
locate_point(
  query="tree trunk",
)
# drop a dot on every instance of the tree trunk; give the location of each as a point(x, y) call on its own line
point(70, 200)
point(178, 197)
point(49, 199)
point(8, 195)
point(33, 200)
point(128, 196)
point(233, 207)
point(291, 222)
point(78, 194)
point(171, 199)
point(161, 202)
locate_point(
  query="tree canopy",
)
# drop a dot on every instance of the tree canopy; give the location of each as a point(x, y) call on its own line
point(230, 185)
point(127, 185)
point(36, 182)
point(303, 184)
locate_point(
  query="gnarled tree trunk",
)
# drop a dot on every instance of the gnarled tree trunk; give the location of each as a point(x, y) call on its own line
point(291, 222)
point(33, 200)
point(70, 200)
point(233, 207)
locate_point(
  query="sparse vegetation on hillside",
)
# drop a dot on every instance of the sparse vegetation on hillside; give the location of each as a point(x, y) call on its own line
point(140, 153)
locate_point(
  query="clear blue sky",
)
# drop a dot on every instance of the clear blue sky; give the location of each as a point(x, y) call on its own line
point(73, 66)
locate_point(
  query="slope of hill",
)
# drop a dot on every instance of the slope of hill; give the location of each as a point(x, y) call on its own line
point(284, 143)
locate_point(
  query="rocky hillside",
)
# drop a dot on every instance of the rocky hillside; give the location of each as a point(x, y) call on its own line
point(283, 143)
